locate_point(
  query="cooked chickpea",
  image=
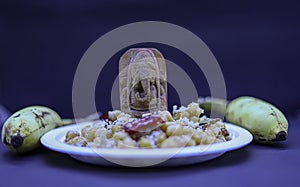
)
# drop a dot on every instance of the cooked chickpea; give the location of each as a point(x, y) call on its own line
point(166, 116)
point(78, 141)
point(183, 128)
point(146, 143)
point(127, 143)
point(174, 130)
point(188, 131)
point(71, 134)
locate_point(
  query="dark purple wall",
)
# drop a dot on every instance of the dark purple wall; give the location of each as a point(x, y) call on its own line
point(255, 42)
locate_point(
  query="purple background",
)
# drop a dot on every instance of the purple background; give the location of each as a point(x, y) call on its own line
point(255, 43)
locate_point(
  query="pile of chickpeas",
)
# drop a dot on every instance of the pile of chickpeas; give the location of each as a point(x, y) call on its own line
point(187, 126)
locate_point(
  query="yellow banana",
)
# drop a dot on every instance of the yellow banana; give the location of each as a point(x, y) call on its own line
point(22, 131)
point(266, 122)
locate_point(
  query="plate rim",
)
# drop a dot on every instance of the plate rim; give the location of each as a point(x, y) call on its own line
point(50, 141)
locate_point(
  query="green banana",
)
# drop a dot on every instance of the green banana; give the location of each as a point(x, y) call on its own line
point(22, 131)
point(266, 122)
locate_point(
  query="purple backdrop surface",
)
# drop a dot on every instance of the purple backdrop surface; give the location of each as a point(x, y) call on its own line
point(255, 43)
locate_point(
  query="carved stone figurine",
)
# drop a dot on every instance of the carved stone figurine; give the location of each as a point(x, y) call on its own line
point(142, 81)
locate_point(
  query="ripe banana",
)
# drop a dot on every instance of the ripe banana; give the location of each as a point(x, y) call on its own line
point(22, 131)
point(266, 122)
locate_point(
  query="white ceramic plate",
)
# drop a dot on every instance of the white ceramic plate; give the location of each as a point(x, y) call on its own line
point(54, 140)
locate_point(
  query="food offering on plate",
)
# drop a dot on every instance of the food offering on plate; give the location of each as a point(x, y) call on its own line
point(144, 121)
point(186, 127)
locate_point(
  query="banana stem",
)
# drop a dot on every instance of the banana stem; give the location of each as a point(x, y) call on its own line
point(213, 105)
point(67, 122)
point(91, 117)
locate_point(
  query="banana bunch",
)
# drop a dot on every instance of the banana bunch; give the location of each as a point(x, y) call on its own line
point(266, 122)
